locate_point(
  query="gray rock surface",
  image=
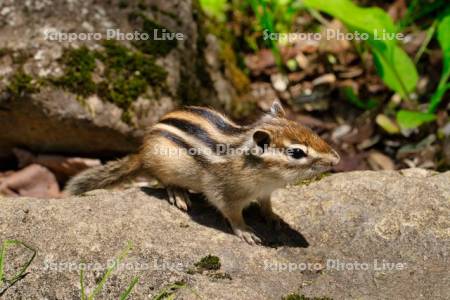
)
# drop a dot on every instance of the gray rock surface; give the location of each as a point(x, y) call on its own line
point(344, 234)
point(55, 120)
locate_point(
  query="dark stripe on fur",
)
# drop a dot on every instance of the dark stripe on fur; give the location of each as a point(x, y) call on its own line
point(193, 130)
point(217, 120)
point(183, 144)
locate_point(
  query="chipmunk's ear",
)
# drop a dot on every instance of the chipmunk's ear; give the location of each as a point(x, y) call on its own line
point(262, 139)
point(277, 109)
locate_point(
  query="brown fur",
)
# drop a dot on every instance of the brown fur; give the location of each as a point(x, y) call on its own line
point(104, 176)
point(282, 129)
point(230, 182)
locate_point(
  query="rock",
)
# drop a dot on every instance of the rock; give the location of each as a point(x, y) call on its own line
point(358, 235)
point(52, 118)
point(53, 121)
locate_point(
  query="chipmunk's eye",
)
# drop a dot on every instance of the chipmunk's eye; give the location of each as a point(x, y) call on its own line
point(296, 153)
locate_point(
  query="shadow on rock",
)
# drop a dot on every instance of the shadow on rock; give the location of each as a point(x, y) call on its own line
point(203, 213)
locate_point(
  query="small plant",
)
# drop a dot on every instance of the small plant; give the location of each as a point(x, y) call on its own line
point(170, 290)
point(209, 266)
point(295, 296)
point(444, 40)
point(273, 17)
point(21, 273)
point(209, 263)
point(394, 66)
point(105, 277)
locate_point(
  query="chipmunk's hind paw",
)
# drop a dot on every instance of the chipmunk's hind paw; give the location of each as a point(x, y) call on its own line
point(247, 235)
point(179, 197)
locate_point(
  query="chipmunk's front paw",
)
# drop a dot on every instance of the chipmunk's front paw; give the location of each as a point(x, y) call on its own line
point(247, 235)
point(179, 198)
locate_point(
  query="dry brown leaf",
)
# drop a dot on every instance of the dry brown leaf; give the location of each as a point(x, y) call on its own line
point(60, 165)
point(33, 181)
point(351, 162)
point(380, 161)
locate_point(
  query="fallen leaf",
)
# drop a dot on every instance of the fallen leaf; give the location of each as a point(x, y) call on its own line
point(351, 162)
point(279, 82)
point(60, 165)
point(387, 124)
point(33, 181)
point(324, 79)
point(380, 161)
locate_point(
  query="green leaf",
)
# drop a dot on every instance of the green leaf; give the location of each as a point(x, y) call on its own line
point(215, 8)
point(110, 270)
point(413, 119)
point(361, 19)
point(126, 294)
point(397, 70)
point(83, 290)
point(266, 21)
point(394, 66)
point(23, 269)
point(443, 36)
point(19, 275)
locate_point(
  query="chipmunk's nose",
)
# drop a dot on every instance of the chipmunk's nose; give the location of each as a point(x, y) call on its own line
point(328, 160)
point(336, 158)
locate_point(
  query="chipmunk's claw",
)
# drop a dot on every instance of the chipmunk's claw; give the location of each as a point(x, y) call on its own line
point(179, 198)
point(247, 235)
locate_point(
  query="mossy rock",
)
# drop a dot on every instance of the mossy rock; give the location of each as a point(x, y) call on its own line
point(21, 83)
point(209, 262)
point(127, 74)
point(152, 45)
point(295, 296)
point(79, 66)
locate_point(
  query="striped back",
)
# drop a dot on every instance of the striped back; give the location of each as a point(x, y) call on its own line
point(202, 131)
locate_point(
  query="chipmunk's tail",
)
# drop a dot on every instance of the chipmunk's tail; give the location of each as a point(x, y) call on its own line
point(104, 176)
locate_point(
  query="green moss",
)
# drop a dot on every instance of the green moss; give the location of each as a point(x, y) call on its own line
point(209, 266)
point(119, 58)
point(295, 296)
point(221, 276)
point(209, 263)
point(123, 4)
point(3, 52)
point(169, 291)
point(122, 91)
point(19, 57)
point(314, 179)
point(151, 46)
point(21, 83)
point(79, 66)
point(127, 74)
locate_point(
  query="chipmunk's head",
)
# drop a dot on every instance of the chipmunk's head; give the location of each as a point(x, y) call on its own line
point(291, 150)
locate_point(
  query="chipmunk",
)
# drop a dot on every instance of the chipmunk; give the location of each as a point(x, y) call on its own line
point(199, 149)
